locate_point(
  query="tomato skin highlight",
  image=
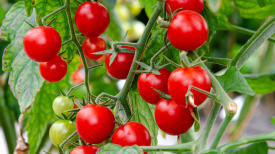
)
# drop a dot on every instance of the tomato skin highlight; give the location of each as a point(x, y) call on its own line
point(92, 45)
point(95, 123)
point(42, 43)
point(132, 133)
point(188, 30)
point(85, 149)
point(172, 118)
point(53, 70)
point(147, 82)
point(194, 5)
point(92, 19)
point(121, 65)
point(181, 78)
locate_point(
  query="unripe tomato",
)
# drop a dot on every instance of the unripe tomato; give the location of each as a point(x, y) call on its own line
point(147, 82)
point(121, 65)
point(123, 12)
point(95, 123)
point(61, 130)
point(42, 43)
point(194, 5)
point(180, 80)
point(135, 7)
point(172, 118)
point(92, 19)
point(53, 70)
point(62, 104)
point(188, 30)
point(132, 133)
point(92, 45)
point(85, 149)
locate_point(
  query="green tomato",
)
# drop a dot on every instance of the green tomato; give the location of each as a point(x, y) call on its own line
point(123, 12)
point(61, 130)
point(136, 30)
point(62, 104)
point(135, 7)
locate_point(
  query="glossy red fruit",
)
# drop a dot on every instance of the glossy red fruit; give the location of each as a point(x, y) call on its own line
point(132, 133)
point(147, 82)
point(182, 78)
point(85, 149)
point(121, 65)
point(188, 30)
point(53, 70)
point(92, 19)
point(172, 118)
point(92, 45)
point(78, 76)
point(194, 5)
point(42, 43)
point(95, 123)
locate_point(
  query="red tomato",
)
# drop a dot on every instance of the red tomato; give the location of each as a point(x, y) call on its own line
point(132, 133)
point(92, 45)
point(188, 30)
point(182, 78)
point(85, 149)
point(53, 70)
point(147, 82)
point(92, 19)
point(172, 118)
point(78, 76)
point(194, 5)
point(121, 65)
point(42, 43)
point(95, 123)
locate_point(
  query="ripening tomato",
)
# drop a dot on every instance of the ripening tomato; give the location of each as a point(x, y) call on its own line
point(172, 118)
point(147, 82)
point(92, 19)
point(180, 80)
point(53, 70)
point(78, 76)
point(85, 149)
point(92, 45)
point(60, 131)
point(42, 43)
point(132, 133)
point(188, 30)
point(194, 5)
point(121, 65)
point(95, 123)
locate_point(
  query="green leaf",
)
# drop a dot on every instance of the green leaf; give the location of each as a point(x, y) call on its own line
point(29, 6)
point(149, 6)
point(116, 149)
point(144, 113)
point(2, 14)
point(261, 84)
point(24, 80)
point(41, 114)
point(252, 9)
point(254, 148)
point(197, 124)
point(114, 30)
point(234, 81)
point(273, 120)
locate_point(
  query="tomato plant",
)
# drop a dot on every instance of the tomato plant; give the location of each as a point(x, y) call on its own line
point(117, 76)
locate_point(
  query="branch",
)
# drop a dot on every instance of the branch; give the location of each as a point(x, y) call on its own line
point(21, 146)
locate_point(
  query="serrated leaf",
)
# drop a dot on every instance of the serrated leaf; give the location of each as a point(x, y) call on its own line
point(117, 149)
point(252, 9)
point(273, 120)
point(234, 81)
point(261, 84)
point(41, 114)
point(24, 80)
point(254, 148)
point(144, 113)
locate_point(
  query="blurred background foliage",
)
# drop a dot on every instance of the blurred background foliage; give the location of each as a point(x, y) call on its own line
point(128, 21)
